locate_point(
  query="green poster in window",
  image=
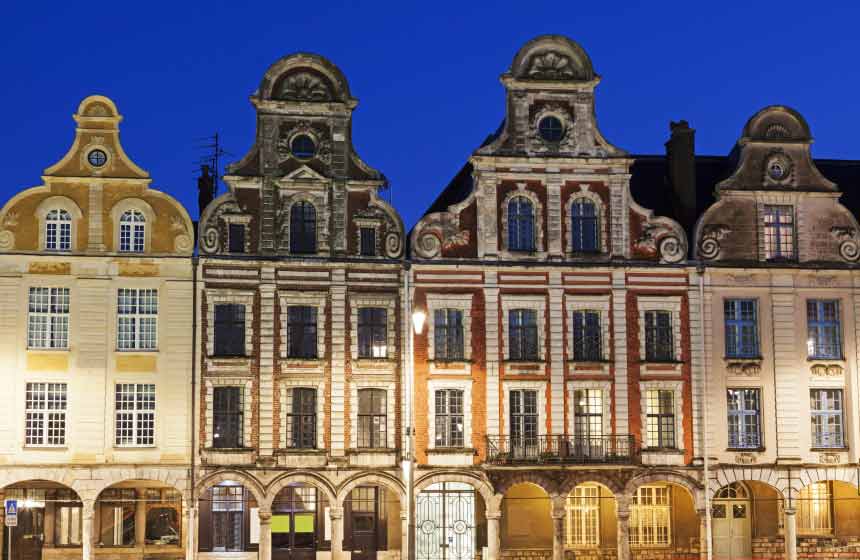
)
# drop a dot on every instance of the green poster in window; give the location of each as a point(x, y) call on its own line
point(304, 522)
point(280, 524)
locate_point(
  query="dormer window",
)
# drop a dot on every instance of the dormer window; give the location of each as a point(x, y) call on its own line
point(132, 232)
point(303, 228)
point(778, 233)
point(551, 129)
point(367, 238)
point(58, 231)
point(521, 225)
point(584, 226)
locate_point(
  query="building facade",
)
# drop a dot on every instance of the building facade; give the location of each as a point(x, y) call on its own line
point(96, 285)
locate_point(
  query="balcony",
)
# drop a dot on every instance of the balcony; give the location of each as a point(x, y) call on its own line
point(565, 450)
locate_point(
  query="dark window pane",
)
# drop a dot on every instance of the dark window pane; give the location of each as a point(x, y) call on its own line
point(584, 226)
point(227, 421)
point(368, 241)
point(372, 418)
point(372, 332)
point(229, 329)
point(302, 332)
point(302, 419)
point(521, 226)
point(303, 228)
point(236, 238)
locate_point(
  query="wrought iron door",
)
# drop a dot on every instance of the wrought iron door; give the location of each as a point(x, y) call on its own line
point(445, 518)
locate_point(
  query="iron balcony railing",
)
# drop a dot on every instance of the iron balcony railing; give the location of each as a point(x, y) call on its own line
point(506, 450)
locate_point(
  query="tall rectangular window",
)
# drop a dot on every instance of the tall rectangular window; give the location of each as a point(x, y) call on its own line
point(227, 417)
point(588, 413)
point(45, 411)
point(58, 230)
point(302, 332)
point(229, 329)
point(135, 414)
point(236, 238)
point(659, 345)
point(583, 516)
point(826, 411)
point(68, 524)
point(367, 238)
point(372, 332)
point(587, 336)
point(823, 328)
point(302, 419)
point(524, 420)
point(372, 418)
point(449, 418)
point(650, 517)
point(448, 334)
point(741, 319)
point(523, 334)
point(660, 415)
point(744, 418)
point(48, 318)
point(814, 505)
point(778, 232)
point(137, 319)
point(228, 511)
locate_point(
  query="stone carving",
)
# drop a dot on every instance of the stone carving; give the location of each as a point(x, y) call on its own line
point(182, 243)
point(712, 234)
point(551, 66)
point(210, 238)
point(742, 278)
point(11, 219)
point(319, 135)
point(304, 86)
point(778, 167)
point(823, 281)
point(393, 244)
point(826, 370)
point(662, 240)
point(849, 243)
point(442, 233)
point(829, 458)
point(97, 110)
point(748, 369)
point(7, 240)
point(745, 458)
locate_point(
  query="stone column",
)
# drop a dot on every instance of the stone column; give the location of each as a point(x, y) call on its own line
point(336, 516)
point(87, 515)
point(623, 533)
point(190, 532)
point(494, 535)
point(140, 519)
point(557, 534)
point(404, 534)
point(703, 533)
point(49, 524)
point(790, 534)
point(265, 535)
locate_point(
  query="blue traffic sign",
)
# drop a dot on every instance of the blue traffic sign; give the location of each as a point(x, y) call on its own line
point(11, 507)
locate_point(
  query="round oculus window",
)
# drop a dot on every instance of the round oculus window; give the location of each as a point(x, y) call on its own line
point(778, 167)
point(303, 147)
point(97, 158)
point(551, 129)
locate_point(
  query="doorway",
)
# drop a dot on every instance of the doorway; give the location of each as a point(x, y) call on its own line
point(730, 516)
point(445, 519)
point(294, 524)
point(364, 506)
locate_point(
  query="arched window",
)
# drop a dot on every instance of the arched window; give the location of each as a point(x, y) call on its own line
point(521, 224)
point(58, 231)
point(583, 215)
point(132, 232)
point(303, 228)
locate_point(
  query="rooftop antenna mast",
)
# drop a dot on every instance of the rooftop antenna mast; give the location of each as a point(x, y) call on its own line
point(214, 152)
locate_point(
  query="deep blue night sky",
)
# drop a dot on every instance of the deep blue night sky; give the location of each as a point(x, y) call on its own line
point(426, 76)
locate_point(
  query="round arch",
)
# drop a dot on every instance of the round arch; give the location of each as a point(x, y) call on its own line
point(380, 479)
point(611, 484)
point(534, 478)
point(481, 485)
point(232, 476)
point(691, 485)
point(54, 476)
point(811, 476)
point(302, 477)
point(765, 476)
point(167, 477)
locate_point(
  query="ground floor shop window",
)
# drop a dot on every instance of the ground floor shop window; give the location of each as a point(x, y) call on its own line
point(650, 517)
point(814, 509)
point(228, 504)
point(583, 517)
point(116, 517)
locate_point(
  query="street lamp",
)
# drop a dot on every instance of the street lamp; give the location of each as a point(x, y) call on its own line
point(418, 318)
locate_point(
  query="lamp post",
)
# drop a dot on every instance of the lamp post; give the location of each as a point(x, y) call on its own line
point(417, 327)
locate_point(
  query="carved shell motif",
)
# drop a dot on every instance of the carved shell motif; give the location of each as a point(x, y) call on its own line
point(551, 66)
point(304, 87)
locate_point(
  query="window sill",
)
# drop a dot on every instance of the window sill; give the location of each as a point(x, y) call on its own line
point(58, 350)
point(663, 450)
point(45, 448)
point(370, 450)
point(831, 449)
point(136, 351)
point(600, 362)
point(524, 362)
point(840, 359)
point(746, 449)
point(133, 447)
point(370, 361)
point(300, 451)
point(229, 356)
point(228, 449)
point(451, 450)
point(450, 362)
point(742, 358)
point(662, 362)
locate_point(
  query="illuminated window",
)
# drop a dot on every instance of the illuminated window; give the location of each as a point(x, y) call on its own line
point(132, 232)
point(650, 517)
point(58, 231)
point(135, 414)
point(137, 319)
point(778, 232)
point(372, 332)
point(744, 418)
point(583, 516)
point(826, 413)
point(588, 414)
point(45, 414)
point(741, 323)
point(660, 415)
point(449, 418)
point(823, 329)
point(813, 508)
point(116, 517)
point(48, 318)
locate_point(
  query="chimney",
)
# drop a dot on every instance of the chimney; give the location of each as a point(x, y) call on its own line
point(681, 161)
point(205, 188)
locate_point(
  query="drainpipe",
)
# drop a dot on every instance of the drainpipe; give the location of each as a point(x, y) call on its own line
point(700, 270)
point(191, 538)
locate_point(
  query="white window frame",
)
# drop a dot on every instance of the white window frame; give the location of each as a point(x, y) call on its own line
point(536, 303)
point(464, 385)
point(58, 203)
point(677, 388)
point(389, 410)
point(542, 387)
point(588, 303)
point(671, 304)
point(583, 500)
point(60, 240)
point(132, 222)
point(48, 316)
point(136, 318)
point(45, 413)
point(643, 512)
point(604, 387)
point(286, 387)
point(359, 300)
point(461, 302)
point(138, 414)
point(139, 205)
point(222, 296)
point(245, 384)
point(318, 300)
